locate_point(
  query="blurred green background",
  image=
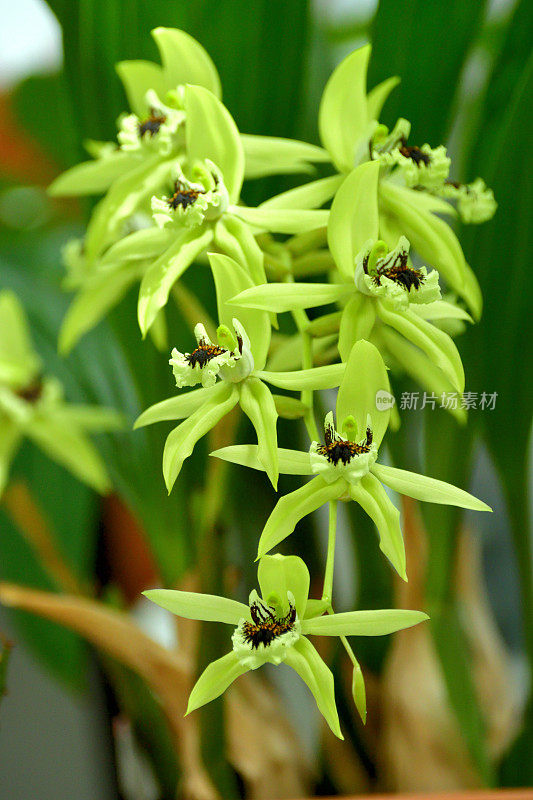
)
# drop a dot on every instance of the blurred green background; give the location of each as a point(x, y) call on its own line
point(466, 74)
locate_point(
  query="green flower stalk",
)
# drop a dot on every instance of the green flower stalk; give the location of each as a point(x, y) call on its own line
point(345, 466)
point(274, 629)
point(32, 406)
point(378, 287)
point(232, 373)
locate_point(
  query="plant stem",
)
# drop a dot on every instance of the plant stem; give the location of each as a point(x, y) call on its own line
point(327, 592)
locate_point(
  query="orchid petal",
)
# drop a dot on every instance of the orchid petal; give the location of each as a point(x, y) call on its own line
point(214, 680)
point(364, 378)
point(316, 378)
point(270, 155)
point(357, 321)
point(282, 220)
point(178, 407)
point(278, 575)
point(193, 605)
point(281, 297)
point(304, 660)
point(138, 78)
point(363, 623)
point(310, 195)
point(258, 404)
point(185, 60)
point(291, 462)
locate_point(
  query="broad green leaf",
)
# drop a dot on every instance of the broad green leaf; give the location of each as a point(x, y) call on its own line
point(343, 115)
point(185, 60)
point(357, 322)
point(181, 441)
point(214, 680)
point(354, 216)
point(278, 575)
point(281, 297)
point(94, 177)
point(137, 78)
point(282, 220)
point(163, 273)
point(270, 155)
point(304, 659)
point(258, 404)
point(429, 490)
point(291, 462)
point(293, 507)
point(364, 378)
point(315, 379)
point(193, 605)
point(310, 195)
point(437, 345)
point(211, 133)
point(363, 623)
point(231, 279)
point(371, 496)
point(175, 407)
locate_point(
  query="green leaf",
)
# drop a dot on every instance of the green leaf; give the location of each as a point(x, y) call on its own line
point(278, 575)
point(166, 270)
point(185, 60)
point(363, 623)
point(429, 490)
point(193, 605)
point(293, 507)
point(211, 133)
point(181, 441)
point(371, 496)
point(258, 404)
point(343, 116)
point(291, 462)
point(365, 376)
point(354, 216)
point(304, 659)
point(214, 680)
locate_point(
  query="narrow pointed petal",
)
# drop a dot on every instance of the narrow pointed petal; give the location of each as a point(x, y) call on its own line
point(373, 499)
point(291, 462)
point(252, 254)
point(310, 195)
point(258, 404)
point(429, 490)
point(270, 155)
point(165, 271)
point(93, 177)
point(437, 344)
point(181, 441)
point(316, 378)
point(179, 407)
point(293, 507)
point(357, 321)
point(275, 220)
point(354, 217)
point(281, 297)
point(205, 607)
point(279, 574)
point(91, 304)
point(10, 438)
point(304, 660)
point(138, 77)
point(377, 98)
point(363, 623)
point(91, 418)
point(211, 133)
point(440, 309)
point(365, 377)
point(343, 116)
point(214, 680)
point(19, 363)
point(185, 60)
point(231, 279)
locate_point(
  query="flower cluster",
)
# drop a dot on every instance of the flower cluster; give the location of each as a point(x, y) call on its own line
point(395, 288)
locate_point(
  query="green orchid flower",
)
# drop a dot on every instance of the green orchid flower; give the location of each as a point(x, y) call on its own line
point(345, 466)
point(232, 373)
point(411, 182)
point(378, 287)
point(274, 629)
point(32, 406)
